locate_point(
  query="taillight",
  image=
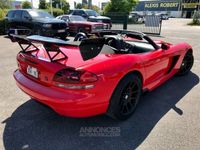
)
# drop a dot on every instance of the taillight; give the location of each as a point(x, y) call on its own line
point(68, 78)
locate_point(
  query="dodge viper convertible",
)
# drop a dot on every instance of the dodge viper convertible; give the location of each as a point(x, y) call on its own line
point(105, 74)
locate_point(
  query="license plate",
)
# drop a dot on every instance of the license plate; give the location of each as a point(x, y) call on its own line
point(32, 71)
point(60, 31)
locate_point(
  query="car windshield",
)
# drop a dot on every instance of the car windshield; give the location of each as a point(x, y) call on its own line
point(92, 13)
point(40, 14)
point(77, 18)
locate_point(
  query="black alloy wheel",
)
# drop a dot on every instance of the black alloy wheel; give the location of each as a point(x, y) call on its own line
point(129, 98)
point(125, 98)
point(187, 64)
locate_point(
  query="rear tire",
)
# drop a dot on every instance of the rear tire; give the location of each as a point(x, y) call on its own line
point(125, 97)
point(186, 64)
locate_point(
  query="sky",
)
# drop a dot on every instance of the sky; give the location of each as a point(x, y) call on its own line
point(71, 2)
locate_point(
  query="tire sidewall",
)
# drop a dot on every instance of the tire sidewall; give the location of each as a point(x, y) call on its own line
point(182, 74)
point(114, 106)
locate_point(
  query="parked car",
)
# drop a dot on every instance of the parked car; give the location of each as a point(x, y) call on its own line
point(37, 21)
point(92, 16)
point(137, 18)
point(163, 16)
point(79, 24)
point(102, 75)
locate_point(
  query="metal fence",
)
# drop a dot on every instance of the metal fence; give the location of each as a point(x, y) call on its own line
point(149, 24)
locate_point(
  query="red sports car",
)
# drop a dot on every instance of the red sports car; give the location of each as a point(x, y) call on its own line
point(106, 74)
point(79, 24)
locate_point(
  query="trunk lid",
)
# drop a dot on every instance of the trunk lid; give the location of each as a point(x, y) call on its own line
point(39, 63)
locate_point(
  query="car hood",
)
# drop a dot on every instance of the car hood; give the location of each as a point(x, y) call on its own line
point(99, 17)
point(87, 23)
point(48, 20)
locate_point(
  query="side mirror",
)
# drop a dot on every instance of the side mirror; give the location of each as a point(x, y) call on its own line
point(165, 46)
point(28, 18)
point(84, 16)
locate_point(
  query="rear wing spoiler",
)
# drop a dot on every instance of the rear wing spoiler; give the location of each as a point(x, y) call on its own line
point(89, 48)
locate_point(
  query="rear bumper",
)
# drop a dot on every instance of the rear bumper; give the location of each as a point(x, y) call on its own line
point(77, 103)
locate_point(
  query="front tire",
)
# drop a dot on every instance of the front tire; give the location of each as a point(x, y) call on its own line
point(125, 97)
point(186, 64)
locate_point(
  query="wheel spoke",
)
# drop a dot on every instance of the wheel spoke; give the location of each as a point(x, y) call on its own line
point(187, 63)
point(128, 98)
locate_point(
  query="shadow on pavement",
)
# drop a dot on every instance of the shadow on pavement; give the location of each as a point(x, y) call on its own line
point(33, 126)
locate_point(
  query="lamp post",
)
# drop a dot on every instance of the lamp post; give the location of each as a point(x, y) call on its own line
point(51, 7)
point(90, 4)
point(32, 4)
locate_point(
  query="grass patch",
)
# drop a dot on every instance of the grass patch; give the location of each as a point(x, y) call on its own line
point(194, 23)
point(196, 19)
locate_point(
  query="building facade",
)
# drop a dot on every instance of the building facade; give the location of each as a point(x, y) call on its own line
point(174, 8)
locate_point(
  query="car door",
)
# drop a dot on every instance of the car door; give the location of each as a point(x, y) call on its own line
point(9, 20)
point(156, 64)
point(17, 19)
point(27, 20)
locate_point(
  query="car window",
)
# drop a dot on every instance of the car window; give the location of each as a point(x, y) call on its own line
point(10, 14)
point(78, 12)
point(74, 12)
point(77, 18)
point(25, 15)
point(40, 14)
point(18, 14)
point(65, 18)
point(92, 13)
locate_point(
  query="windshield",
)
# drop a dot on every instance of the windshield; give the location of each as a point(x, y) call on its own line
point(77, 18)
point(92, 13)
point(40, 14)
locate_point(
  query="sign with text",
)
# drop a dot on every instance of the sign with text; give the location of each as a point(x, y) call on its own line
point(158, 6)
point(190, 5)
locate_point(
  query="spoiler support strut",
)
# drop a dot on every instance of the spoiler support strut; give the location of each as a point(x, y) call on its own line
point(49, 46)
point(89, 48)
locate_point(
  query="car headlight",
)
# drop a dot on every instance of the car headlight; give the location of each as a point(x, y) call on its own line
point(105, 26)
point(93, 28)
point(47, 25)
point(87, 28)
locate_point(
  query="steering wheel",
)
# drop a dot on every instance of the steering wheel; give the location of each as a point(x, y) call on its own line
point(114, 42)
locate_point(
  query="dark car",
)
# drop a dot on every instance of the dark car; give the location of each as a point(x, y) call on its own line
point(163, 16)
point(79, 24)
point(37, 21)
point(92, 16)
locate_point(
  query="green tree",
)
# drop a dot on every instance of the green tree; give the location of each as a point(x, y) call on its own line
point(4, 4)
point(26, 5)
point(120, 6)
point(42, 4)
point(94, 7)
point(62, 4)
point(79, 6)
